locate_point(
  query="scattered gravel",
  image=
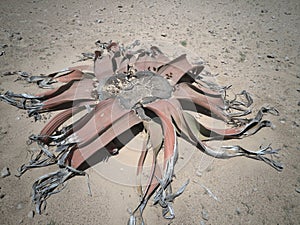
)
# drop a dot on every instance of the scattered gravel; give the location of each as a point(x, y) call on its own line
point(52, 30)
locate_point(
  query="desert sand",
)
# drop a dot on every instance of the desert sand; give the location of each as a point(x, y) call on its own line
point(251, 45)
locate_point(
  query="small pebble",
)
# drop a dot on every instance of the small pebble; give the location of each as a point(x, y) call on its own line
point(5, 172)
point(99, 21)
point(282, 121)
point(164, 35)
point(2, 195)
point(202, 222)
point(20, 206)
point(238, 211)
point(297, 189)
point(204, 214)
point(198, 173)
point(270, 56)
point(30, 214)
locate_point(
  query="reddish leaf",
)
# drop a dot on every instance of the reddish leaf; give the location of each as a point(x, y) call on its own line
point(123, 124)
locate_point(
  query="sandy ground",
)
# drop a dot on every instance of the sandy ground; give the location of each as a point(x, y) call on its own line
point(253, 45)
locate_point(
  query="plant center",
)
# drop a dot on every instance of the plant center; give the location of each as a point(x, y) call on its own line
point(142, 87)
